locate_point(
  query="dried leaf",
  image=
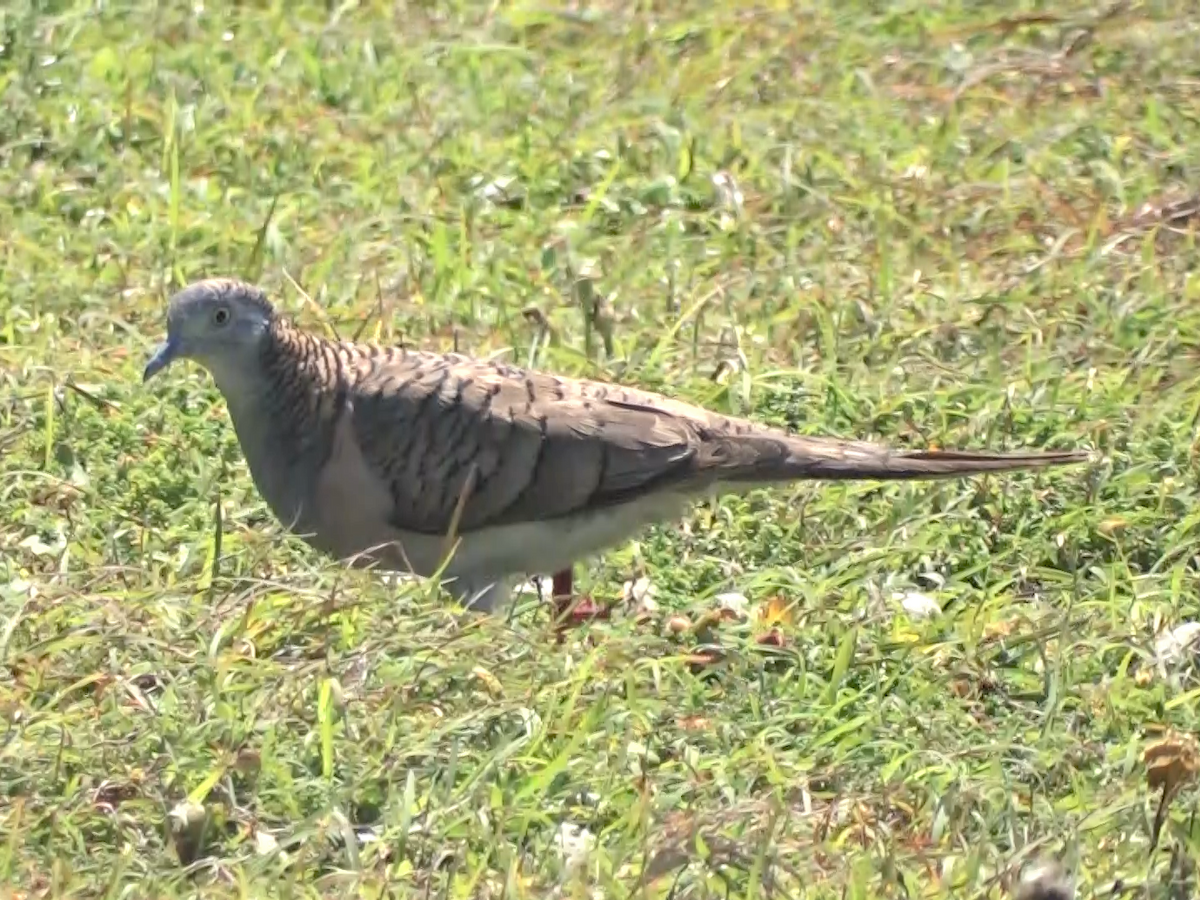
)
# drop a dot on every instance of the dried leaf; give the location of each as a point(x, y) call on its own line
point(772, 638)
point(704, 657)
point(1171, 762)
point(678, 624)
point(776, 611)
point(962, 687)
point(942, 658)
point(1001, 629)
point(490, 682)
point(247, 761)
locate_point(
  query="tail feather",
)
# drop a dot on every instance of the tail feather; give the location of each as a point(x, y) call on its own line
point(795, 458)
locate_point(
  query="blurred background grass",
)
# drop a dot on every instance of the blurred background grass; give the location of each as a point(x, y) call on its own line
point(939, 223)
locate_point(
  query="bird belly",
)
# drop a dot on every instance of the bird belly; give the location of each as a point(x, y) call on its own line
point(490, 553)
point(555, 544)
point(499, 551)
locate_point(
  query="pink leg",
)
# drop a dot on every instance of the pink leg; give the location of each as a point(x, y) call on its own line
point(567, 610)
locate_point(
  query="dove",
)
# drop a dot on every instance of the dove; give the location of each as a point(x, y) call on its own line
point(478, 471)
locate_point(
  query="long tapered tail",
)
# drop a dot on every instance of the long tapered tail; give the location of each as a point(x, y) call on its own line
point(795, 457)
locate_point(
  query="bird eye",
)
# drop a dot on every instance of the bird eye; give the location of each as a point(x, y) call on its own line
point(221, 316)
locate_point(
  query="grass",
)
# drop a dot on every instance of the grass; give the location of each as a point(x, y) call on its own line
point(944, 223)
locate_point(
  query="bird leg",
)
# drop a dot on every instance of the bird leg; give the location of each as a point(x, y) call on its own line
point(568, 611)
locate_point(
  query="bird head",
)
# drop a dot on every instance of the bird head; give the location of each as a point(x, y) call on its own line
point(217, 323)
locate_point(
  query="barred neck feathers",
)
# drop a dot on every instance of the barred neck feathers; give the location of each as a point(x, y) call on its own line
point(287, 423)
point(306, 378)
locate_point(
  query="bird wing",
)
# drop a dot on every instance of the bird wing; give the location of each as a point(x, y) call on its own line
point(502, 445)
point(460, 441)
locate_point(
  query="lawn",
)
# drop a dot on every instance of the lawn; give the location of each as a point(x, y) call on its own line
point(954, 224)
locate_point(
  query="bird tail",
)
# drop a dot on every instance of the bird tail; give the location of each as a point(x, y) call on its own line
point(794, 457)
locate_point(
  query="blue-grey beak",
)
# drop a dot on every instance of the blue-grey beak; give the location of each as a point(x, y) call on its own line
point(162, 358)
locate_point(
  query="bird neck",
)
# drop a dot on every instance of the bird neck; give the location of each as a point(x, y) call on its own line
point(282, 411)
point(302, 378)
point(294, 360)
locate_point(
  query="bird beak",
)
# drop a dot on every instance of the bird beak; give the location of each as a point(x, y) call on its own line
point(162, 358)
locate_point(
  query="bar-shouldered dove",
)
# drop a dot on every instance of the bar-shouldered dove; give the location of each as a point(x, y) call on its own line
point(397, 457)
